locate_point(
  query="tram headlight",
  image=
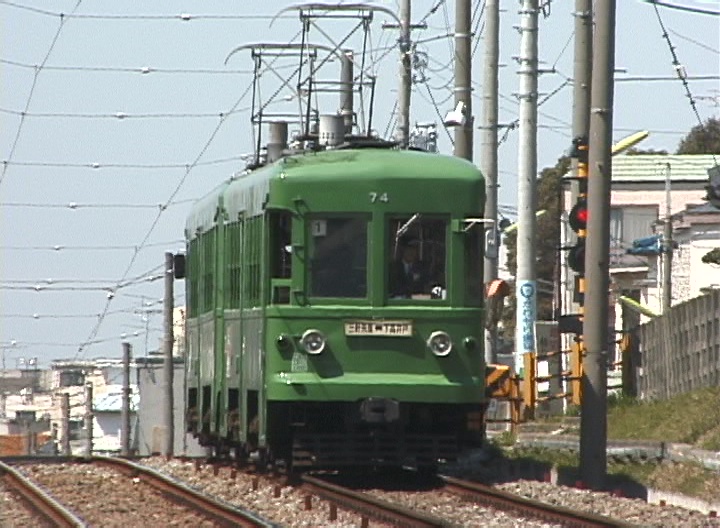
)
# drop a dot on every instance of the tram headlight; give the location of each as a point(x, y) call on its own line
point(313, 341)
point(440, 343)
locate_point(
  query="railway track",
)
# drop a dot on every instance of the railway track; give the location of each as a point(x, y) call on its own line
point(38, 501)
point(70, 479)
point(502, 500)
point(399, 515)
point(378, 509)
point(224, 514)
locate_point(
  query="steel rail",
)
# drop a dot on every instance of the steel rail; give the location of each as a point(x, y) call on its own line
point(225, 514)
point(39, 500)
point(536, 509)
point(370, 506)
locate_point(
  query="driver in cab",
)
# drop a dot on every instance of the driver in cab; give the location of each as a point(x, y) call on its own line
point(408, 275)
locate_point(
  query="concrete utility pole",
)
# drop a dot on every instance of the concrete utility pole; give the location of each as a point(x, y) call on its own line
point(489, 152)
point(593, 422)
point(168, 366)
point(525, 282)
point(582, 75)
point(65, 424)
point(463, 78)
point(125, 410)
point(403, 122)
point(89, 419)
point(667, 244)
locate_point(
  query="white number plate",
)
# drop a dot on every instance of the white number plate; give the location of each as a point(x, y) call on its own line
point(379, 328)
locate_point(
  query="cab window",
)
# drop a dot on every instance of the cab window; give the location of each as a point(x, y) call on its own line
point(417, 257)
point(338, 256)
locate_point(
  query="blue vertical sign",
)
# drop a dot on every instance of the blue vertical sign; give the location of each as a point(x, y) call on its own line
point(525, 316)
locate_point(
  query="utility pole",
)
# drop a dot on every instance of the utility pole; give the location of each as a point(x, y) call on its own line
point(463, 79)
point(65, 424)
point(593, 422)
point(403, 123)
point(489, 154)
point(667, 245)
point(168, 366)
point(125, 410)
point(89, 419)
point(525, 283)
point(582, 75)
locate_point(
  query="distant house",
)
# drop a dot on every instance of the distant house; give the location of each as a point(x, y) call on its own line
point(107, 413)
point(149, 435)
point(640, 187)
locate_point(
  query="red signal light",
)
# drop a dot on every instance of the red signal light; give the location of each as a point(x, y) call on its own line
point(579, 215)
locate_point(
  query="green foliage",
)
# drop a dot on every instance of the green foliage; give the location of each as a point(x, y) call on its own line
point(644, 152)
point(712, 256)
point(702, 139)
point(549, 197)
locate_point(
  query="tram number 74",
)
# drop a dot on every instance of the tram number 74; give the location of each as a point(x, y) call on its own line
point(379, 197)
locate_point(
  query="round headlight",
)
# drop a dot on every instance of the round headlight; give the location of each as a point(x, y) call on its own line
point(439, 343)
point(313, 341)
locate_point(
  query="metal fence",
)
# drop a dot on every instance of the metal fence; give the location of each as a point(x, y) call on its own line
point(680, 351)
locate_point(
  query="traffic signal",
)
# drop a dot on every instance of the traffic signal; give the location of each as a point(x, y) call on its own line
point(578, 222)
point(578, 216)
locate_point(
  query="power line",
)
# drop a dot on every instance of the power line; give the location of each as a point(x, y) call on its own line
point(32, 91)
point(59, 247)
point(114, 165)
point(693, 41)
point(144, 70)
point(184, 17)
point(74, 205)
point(663, 78)
point(679, 69)
point(63, 316)
point(154, 223)
point(122, 115)
point(679, 7)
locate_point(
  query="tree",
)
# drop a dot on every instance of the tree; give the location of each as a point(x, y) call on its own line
point(644, 152)
point(702, 139)
point(549, 189)
point(712, 257)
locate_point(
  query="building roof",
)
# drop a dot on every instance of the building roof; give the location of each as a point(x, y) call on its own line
point(652, 167)
point(111, 401)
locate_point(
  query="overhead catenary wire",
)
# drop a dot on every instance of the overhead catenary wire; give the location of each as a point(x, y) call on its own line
point(184, 17)
point(114, 165)
point(679, 7)
point(18, 131)
point(144, 70)
point(173, 194)
point(679, 69)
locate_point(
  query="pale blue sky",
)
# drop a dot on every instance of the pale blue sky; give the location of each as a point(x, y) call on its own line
point(93, 72)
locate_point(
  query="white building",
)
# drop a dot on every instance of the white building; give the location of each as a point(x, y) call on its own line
point(642, 189)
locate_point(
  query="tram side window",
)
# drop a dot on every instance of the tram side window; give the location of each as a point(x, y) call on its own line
point(280, 225)
point(417, 256)
point(281, 245)
point(338, 257)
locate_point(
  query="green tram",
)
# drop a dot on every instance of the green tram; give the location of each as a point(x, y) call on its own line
point(335, 310)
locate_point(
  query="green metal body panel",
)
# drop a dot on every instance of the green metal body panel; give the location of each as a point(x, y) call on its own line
point(232, 326)
point(355, 367)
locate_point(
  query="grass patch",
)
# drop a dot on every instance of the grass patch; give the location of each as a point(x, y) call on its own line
point(688, 479)
point(692, 418)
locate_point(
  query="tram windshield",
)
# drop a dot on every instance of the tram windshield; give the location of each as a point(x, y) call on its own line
point(417, 253)
point(338, 257)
